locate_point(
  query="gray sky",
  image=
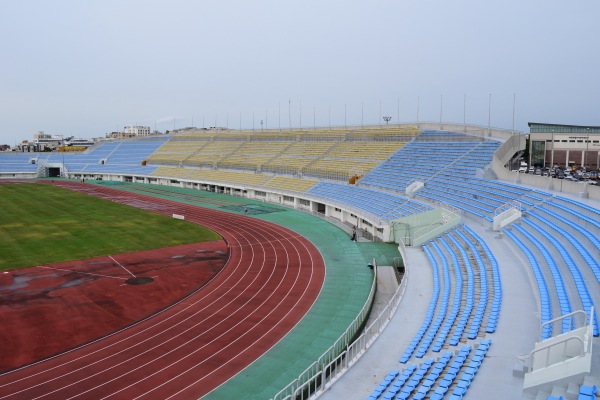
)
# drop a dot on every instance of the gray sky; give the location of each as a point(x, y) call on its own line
point(85, 68)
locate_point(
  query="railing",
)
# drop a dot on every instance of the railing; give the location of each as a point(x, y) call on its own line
point(570, 316)
point(546, 348)
point(326, 370)
point(312, 377)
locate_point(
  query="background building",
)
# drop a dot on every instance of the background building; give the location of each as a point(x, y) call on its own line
point(564, 145)
point(137, 130)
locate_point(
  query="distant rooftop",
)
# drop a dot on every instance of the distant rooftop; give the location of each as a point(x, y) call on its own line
point(536, 127)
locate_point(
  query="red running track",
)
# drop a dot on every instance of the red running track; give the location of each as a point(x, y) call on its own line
point(271, 280)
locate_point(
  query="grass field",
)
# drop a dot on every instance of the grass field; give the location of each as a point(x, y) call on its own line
point(42, 224)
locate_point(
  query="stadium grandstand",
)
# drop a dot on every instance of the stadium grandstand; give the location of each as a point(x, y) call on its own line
point(498, 287)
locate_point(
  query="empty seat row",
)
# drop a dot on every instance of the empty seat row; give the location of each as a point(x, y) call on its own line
point(497, 300)
point(430, 310)
point(580, 285)
point(544, 293)
point(557, 279)
point(469, 374)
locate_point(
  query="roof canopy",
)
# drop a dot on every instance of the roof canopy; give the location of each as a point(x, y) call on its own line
point(536, 127)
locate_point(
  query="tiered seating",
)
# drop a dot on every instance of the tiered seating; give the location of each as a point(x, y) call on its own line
point(387, 133)
point(198, 134)
point(469, 374)
point(456, 302)
point(239, 178)
point(211, 153)
point(364, 150)
point(433, 379)
point(324, 134)
point(557, 279)
point(395, 387)
point(276, 135)
point(448, 159)
point(435, 134)
point(113, 157)
point(338, 169)
point(251, 155)
point(291, 184)
point(451, 373)
point(593, 264)
point(433, 334)
point(175, 151)
point(573, 207)
point(497, 301)
point(297, 156)
point(469, 299)
point(443, 308)
point(132, 153)
point(116, 169)
point(430, 310)
point(475, 326)
point(171, 172)
point(580, 285)
point(381, 204)
point(17, 162)
point(587, 392)
point(349, 158)
point(544, 293)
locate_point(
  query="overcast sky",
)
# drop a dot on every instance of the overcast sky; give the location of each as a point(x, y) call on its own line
point(86, 68)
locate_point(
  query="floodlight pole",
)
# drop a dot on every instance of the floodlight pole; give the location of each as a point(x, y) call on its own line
point(587, 144)
point(490, 116)
point(552, 154)
point(418, 101)
point(465, 113)
point(441, 110)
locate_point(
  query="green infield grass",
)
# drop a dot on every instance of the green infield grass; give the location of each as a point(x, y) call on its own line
point(42, 224)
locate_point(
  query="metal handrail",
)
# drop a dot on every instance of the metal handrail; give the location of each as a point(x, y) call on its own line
point(307, 378)
point(564, 341)
point(328, 373)
point(569, 315)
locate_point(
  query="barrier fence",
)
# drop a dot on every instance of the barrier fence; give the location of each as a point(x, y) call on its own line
point(346, 350)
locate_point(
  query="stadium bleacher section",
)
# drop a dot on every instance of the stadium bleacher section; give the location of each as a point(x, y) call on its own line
point(558, 236)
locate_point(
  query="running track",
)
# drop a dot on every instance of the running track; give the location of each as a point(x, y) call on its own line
point(271, 280)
